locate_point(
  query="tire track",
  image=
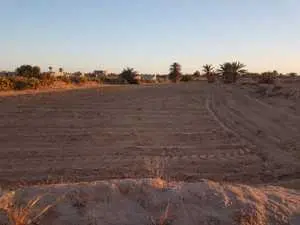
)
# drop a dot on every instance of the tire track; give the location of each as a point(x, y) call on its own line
point(257, 125)
point(208, 106)
point(242, 152)
point(253, 123)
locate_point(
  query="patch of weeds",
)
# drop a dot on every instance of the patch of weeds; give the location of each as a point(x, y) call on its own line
point(28, 214)
point(77, 200)
point(164, 219)
point(157, 166)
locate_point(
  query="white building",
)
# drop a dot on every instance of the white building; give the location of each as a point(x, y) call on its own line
point(148, 77)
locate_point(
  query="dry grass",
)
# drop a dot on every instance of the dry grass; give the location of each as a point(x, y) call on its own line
point(159, 183)
point(164, 218)
point(157, 167)
point(142, 203)
point(28, 214)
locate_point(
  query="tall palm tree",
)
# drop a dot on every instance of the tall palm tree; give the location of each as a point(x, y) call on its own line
point(231, 71)
point(175, 72)
point(208, 68)
point(129, 74)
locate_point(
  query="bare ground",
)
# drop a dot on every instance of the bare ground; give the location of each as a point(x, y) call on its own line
point(183, 132)
point(151, 202)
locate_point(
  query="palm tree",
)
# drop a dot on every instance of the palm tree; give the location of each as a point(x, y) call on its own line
point(129, 75)
point(292, 74)
point(50, 68)
point(175, 72)
point(231, 71)
point(196, 74)
point(61, 70)
point(208, 69)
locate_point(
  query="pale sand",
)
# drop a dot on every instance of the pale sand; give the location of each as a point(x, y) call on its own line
point(153, 201)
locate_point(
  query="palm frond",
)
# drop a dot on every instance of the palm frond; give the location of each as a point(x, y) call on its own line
point(207, 68)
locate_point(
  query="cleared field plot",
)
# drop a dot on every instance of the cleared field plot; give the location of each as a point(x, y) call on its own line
point(179, 132)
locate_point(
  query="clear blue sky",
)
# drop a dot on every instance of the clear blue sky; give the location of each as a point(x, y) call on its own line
point(150, 34)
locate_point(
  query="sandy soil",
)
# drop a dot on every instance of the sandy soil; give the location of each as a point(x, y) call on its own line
point(151, 202)
point(183, 132)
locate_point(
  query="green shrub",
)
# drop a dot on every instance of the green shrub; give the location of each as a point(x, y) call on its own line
point(78, 80)
point(46, 79)
point(33, 83)
point(22, 83)
point(65, 79)
point(5, 84)
point(28, 71)
point(119, 80)
point(19, 83)
point(83, 80)
point(99, 80)
point(186, 78)
point(129, 75)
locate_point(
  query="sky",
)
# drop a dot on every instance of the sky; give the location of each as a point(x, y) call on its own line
point(149, 35)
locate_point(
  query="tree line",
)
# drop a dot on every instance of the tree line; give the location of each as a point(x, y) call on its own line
point(229, 72)
point(27, 76)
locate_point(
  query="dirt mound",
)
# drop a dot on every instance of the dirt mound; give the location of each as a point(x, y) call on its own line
point(151, 201)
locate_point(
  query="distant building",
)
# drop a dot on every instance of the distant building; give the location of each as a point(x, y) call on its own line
point(7, 73)
point(58, 73)
point(112, 75)
point(148, 77)
point(162, 77)
point(100, 73)
point(77, 74)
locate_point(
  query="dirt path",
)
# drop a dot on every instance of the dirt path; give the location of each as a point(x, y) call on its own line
point(180, 132)
point(267, 129)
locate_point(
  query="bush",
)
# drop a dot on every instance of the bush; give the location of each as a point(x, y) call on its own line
point(148, 81)
point(119, 80)
point(130, 76)
point(5, 84)
point(83, 80)
point(186, 78)
point(65, 79)
point(46, 79)
point(78, 80)
point(95, 79)
point(33, 83)
point(267, 78)
point(28, 71)
point(21, 83)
